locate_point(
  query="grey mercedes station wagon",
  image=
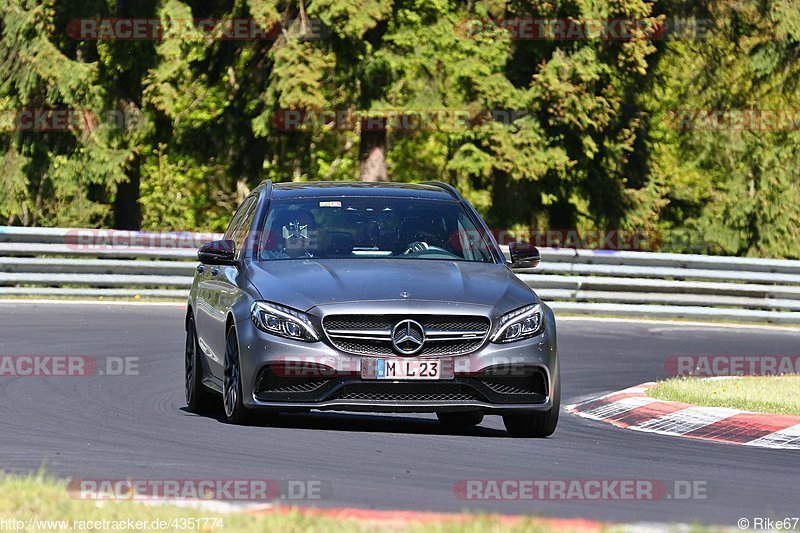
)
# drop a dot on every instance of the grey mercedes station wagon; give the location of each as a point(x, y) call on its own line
point(377, 297)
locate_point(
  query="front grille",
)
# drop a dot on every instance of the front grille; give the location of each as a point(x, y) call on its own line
point(372, 335)
point(483, 389)
point(364, 347)
point(407, 392)
point(269, 383)
point(358, 322)
point(445, 348)
point(458, 323)
point(516, 385)
point(515, 380)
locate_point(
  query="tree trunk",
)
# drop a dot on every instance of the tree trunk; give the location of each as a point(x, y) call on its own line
point(372, 155)
point(127, 212)
point(504, 199)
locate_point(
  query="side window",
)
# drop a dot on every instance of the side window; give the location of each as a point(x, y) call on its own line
point(241, 233)
point(463, 241)
point(474, 246)
point(236, 220)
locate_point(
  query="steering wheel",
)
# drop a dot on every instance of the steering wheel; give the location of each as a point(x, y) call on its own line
point(418, 247)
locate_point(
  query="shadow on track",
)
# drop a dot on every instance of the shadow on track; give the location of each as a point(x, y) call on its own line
point(357, 423)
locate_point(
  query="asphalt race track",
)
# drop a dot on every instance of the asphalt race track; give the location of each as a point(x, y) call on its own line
point(135, 426)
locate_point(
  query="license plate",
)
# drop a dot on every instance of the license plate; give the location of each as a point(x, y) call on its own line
point(406, 369)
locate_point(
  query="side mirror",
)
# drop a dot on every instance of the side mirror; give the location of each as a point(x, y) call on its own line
point(523, 255)
point(218, 253)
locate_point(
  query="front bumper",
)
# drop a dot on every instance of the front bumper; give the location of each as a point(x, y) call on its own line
point(283, 375)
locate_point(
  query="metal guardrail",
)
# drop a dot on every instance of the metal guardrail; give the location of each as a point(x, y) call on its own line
point(60, 262)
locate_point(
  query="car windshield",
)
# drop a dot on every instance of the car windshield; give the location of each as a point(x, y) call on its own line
point(364, 227)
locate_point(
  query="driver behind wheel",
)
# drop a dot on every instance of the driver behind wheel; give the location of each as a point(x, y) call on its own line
point(419, 234)
point(299, 233)
point(292, 233)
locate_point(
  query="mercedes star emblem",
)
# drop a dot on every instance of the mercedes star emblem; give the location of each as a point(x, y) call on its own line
point(408, 336)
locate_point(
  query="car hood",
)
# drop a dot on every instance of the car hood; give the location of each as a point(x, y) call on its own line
point(303, 284)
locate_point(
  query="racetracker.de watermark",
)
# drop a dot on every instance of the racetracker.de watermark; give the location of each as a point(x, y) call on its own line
point(264, 490)
point(104, 239)
point(614, 239)
point(400, 120)
point(227, 29)
point(611, 240)
point(40, 365)
point(183, 523)
point(330, 366)
point(586, 29)
point(735, 119)
point(580, 489)
point(732, 365)
point(47, 120)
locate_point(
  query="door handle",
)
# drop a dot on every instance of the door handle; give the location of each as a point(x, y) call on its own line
point(201, 268)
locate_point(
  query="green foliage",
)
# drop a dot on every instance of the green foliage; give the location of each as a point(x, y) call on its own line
point(52, 177)
point(736, 186)
point(178, 192)
point(539, 134)
point(351, 18)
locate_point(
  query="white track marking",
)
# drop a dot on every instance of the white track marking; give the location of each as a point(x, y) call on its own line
point(688, 323)
point(686, 420)
point(615, 408)
point(212, 506)
point(680, 423)
point(785, 438)
point(90, 302)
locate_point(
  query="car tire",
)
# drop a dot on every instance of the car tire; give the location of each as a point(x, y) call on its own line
point(460, 420)
point(535, 424)
point(198, 398)
point(235, 411)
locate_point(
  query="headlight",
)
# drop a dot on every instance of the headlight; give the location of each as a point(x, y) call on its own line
point(283, 322)
point(523, 323)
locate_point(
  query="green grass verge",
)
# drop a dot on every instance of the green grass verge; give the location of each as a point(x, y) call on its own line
point(762, 394)
point(44, 501)
point(40, 502)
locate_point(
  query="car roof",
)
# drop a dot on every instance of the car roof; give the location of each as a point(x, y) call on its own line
point(312, 189)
